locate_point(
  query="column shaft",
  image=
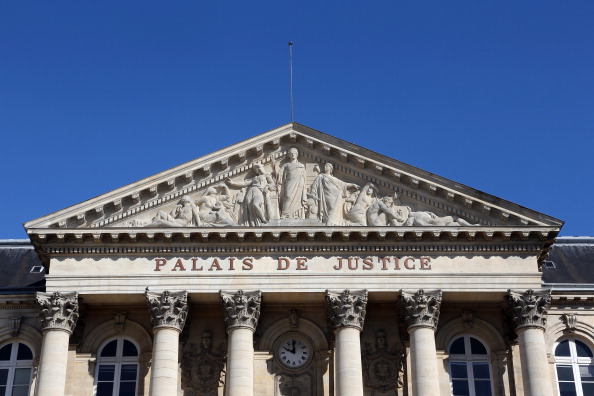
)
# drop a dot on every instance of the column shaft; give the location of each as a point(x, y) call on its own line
point(535, 365)
point(423, 361)
point(164, 368)
point(52, 363)
point(240, 362)
point(349, 381)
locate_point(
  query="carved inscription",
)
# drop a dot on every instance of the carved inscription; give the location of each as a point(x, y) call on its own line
point(355, 263)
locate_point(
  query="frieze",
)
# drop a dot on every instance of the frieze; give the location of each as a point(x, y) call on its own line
point(58, 310)
point(346, 308)
point(383, 369)
point(168, 309)
point(241, 309)
point(202, 368)
point(286, 191)
point(529, 308)
point(420, 308)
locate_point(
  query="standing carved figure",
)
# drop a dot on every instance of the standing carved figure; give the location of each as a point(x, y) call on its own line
point(255, 206)
point(357, 214)
point(293, 197)
point(329, 192)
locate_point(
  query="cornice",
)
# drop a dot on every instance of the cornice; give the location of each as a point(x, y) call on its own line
point(285, 240)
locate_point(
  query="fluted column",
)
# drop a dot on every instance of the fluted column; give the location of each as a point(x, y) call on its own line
point(346, 312)
point(421, 313)
point(241, 311)
point(168, 311)
point(58, 316)
point(528, 312)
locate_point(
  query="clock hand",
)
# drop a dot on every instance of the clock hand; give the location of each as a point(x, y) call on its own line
point(293, 351)
point(286, 349)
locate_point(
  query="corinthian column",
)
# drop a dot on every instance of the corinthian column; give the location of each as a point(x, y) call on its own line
point(346, 312)
point(242, 311)
point(168, 312)
point(529, 316)
point(58, 315)
point(421, 313)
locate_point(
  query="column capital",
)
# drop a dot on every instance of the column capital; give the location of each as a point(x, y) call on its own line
point(241, 309)
point(528, 308)
point(168, 309)
point(59, 311)
point(346, 308)
point(421, 308)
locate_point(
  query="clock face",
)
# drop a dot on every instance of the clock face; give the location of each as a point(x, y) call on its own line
point(293, 353)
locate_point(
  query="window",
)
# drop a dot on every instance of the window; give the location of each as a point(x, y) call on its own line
point(574, 364)
point(16, 367)
point(470, 371)
point(117, 369)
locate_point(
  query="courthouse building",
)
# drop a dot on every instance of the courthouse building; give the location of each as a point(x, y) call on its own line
point(295, 263)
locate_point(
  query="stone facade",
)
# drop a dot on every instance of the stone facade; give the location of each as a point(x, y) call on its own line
point(295, 263)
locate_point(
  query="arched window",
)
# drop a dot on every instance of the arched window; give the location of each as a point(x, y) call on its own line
point(16, 367)
point(470, 371)
point(117, 369)
point(574, 363)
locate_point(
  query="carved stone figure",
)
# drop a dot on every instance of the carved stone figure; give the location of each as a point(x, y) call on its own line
point(294, 385)
point(384, 213)
point(213, 207)
point(293, 196)
point(383, 370)
point(241, 309)
point(255, 206)
point(185, 214)
point(168, 309)
point(328, 193)
point(357, 215)
point(346, 308)
point(431, 219)
point(202, 369)
point(58, 310)
point(528, 308)
point(421, 308)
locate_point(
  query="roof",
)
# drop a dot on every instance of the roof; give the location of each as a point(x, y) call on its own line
point(570, 262)
point(17, 259)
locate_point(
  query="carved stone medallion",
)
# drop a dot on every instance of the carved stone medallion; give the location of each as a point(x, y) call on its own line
point(58, 310)
point(168, 309)
point(528, 308)
point(346, 308)
point(421, 308)
point(241, 309)
point(383, 370)
point(202, 368)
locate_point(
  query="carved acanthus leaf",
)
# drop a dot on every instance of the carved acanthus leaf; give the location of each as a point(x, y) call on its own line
point(241, 309)
point(346, 308)
point(168, 309)
point(421, 308)
point(528, 308)
point(58, 310)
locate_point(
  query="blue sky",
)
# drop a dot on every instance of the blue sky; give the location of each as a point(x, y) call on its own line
point(495, 95)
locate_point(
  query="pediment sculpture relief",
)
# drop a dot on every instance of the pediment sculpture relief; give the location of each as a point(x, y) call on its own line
point(293, 193)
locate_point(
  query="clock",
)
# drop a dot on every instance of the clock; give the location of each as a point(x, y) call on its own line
point(293, 352)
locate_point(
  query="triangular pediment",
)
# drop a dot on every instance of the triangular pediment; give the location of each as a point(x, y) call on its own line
point(256, 183)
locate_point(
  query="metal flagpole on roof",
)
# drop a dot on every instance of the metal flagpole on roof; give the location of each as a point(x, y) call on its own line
point(291, 77)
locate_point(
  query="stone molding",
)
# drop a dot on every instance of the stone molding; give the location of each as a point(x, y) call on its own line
point(421, 308)
point(241, 309)
point(58, 311)
point(529, 308)
point(346, 308)
point(168, 309)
